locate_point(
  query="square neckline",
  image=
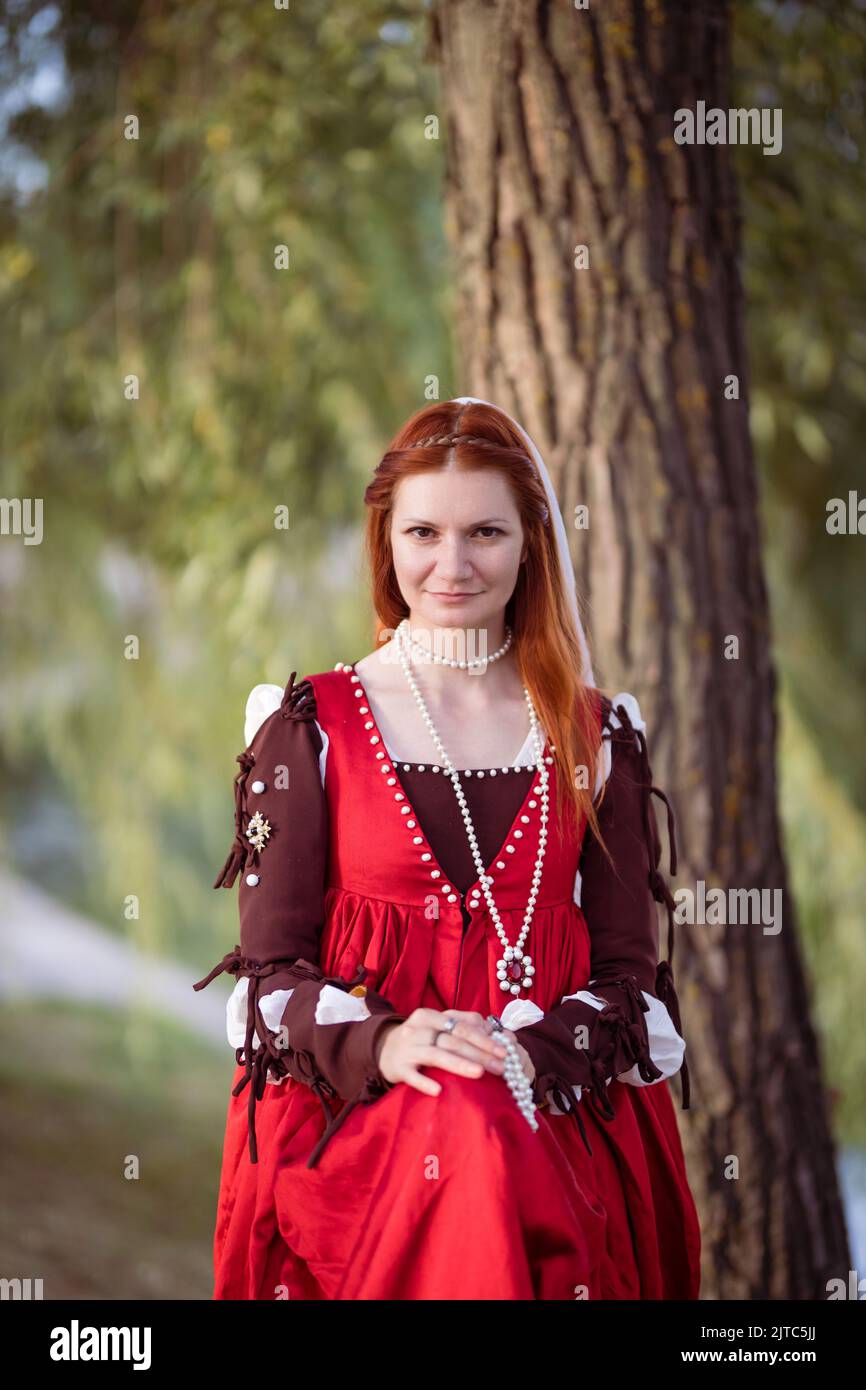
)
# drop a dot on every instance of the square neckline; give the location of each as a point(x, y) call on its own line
point(444, 880)
point(519, 764)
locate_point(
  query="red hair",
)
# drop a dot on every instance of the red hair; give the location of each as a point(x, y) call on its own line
point(546, 644)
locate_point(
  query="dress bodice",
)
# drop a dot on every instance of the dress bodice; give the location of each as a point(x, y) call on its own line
point(493, 794)
point(379, 838)
point(390, 901)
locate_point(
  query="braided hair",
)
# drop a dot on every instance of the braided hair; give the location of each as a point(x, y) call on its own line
point(448, 440)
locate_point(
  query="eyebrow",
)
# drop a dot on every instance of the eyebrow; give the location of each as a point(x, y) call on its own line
point(420, 521)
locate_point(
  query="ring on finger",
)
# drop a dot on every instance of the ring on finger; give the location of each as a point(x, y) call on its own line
point(449, 1027)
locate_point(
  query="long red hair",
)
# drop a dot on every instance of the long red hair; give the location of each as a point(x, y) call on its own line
point(546, 644)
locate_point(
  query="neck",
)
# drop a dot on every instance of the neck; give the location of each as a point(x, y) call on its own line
point(457, 641)
point(462, 643)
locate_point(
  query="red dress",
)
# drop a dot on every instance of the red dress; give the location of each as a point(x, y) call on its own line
point(453, 1196)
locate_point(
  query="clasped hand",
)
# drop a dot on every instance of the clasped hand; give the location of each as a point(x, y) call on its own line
point(469, 1049)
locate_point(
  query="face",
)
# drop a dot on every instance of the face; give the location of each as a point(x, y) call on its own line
point(457, 542)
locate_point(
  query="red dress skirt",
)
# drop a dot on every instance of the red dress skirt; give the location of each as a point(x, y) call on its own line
point(451, 1196)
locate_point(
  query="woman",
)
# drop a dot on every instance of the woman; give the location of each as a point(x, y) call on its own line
point(451, 1025)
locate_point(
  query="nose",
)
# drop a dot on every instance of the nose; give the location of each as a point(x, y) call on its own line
point(453, 565)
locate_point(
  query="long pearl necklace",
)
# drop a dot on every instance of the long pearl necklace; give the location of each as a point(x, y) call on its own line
point(514, 969)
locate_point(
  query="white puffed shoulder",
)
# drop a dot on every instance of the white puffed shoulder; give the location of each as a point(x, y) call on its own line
point(632, 709)
point(262, 701)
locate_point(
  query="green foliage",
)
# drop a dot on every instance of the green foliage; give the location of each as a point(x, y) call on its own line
point(804, 227)
point(259, 389)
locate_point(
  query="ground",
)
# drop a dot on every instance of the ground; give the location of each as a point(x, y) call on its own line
point(81, 1088)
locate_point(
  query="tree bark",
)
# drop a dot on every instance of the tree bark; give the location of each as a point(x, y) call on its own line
point(560, 127)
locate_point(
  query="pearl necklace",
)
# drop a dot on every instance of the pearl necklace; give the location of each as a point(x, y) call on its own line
point(514, 969)
point(419, 650)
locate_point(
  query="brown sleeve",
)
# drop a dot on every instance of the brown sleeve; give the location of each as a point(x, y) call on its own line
point(282, 874)
point(280, 852)
point(619, 903)
point(615, 897)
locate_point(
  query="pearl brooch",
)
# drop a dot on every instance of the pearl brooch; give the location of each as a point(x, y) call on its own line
point(258, 831)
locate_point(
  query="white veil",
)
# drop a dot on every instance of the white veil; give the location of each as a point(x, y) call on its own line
point(559, 532)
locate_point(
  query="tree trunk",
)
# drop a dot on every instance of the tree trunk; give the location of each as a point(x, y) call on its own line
point(560, 127)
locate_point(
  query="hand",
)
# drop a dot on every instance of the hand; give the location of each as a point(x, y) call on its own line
point(468, 1050)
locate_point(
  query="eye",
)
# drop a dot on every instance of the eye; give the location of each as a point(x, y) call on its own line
point(491, 530)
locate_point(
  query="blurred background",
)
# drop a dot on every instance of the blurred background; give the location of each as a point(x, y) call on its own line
point(161, 591)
